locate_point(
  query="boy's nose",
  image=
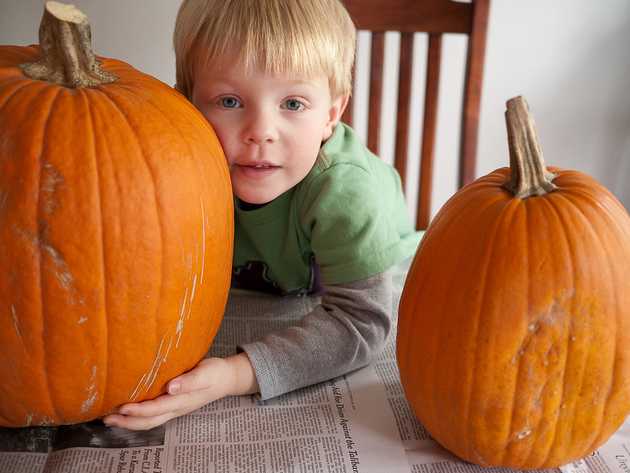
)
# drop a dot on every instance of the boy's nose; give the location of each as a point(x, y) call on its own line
point(260, 129)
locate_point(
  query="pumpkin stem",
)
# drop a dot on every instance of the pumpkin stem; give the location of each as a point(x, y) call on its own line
point(528, 173)
point(65, 39)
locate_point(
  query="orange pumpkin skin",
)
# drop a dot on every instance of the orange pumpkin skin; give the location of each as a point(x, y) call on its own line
point(116, 230)
point(514, 326)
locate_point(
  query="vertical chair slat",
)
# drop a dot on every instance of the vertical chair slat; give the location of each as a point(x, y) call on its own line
point(404, 97)
point(434, 54)
point(376, 90)
point(472, 92)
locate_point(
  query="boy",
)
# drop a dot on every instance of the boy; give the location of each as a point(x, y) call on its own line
point(316, 212)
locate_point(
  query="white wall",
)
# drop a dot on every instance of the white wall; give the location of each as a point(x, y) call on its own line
point(569, 58)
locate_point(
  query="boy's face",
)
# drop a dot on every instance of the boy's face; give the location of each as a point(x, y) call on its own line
point(270, 126)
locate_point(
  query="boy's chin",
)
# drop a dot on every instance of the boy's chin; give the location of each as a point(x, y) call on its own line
point(257, 198)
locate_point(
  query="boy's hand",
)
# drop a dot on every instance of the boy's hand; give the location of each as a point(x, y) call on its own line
point(211, 379)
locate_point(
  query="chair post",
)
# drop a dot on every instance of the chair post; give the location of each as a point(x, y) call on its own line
point(431, 96)
point(472, 92)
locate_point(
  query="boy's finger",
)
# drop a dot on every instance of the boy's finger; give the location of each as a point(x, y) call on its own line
point(137, 423)
point(155, 407)
point(195, 380)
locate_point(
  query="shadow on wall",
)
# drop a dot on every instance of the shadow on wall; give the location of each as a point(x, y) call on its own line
point(622, 187)
point(597, 122)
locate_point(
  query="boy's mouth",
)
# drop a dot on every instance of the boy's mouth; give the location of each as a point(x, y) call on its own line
point(260, 169)
point(258, 165)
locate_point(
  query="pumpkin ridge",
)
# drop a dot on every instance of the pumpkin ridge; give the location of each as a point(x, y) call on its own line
point(567, 361)
point(596, 439)
point(6, 98)
point(440, 219)
point(194, 158)
point(483, 277)
point(105, 326)
point(205, 185)
point(611, 206)
point(105, 155)
point(616, 304)
point(490, 207)
point(597, 237)
point(38, 241)
point(516, 206)
point(542, 461)
point(123, 113)
point(571, 331)
point(14, 55)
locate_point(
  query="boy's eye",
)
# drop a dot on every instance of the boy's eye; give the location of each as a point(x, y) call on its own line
point(293, 105)
point(229, 102)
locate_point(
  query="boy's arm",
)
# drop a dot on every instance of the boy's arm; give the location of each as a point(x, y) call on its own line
point(341, 334)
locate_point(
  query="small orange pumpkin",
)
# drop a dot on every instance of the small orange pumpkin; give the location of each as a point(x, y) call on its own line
point(514, 325)
point(116, 230)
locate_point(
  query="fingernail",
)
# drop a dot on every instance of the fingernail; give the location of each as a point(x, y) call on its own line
point(174, 387)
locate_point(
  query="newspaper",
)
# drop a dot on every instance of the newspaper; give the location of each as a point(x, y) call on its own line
point(357, 423)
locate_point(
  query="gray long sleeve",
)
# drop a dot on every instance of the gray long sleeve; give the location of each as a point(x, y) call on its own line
point(344, 332)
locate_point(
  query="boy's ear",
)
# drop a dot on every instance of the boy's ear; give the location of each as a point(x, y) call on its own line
point(337, 108)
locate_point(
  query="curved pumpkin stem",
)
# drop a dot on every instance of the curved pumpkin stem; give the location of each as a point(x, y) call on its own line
point(66, 43)
point(528, 173)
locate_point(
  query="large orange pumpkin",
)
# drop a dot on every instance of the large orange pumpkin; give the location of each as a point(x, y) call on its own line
point(116, 230)
point(514, 325)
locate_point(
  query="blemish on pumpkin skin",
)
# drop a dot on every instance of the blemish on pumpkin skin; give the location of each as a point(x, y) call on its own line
point(3, 200)
point(50, 180)
point(61, 269)
point(82, 320)
point(554, 314)
point(480, 459)
point(92, 393)
point(523, 433)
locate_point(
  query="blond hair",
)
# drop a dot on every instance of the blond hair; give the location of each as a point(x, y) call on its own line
point(305, 37)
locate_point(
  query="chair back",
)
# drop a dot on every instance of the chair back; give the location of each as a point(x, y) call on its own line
point(436, 18)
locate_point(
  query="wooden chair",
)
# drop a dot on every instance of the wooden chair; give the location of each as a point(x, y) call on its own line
point(435, 17)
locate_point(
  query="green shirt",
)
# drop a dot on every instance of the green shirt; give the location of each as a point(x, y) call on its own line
point(345, 221)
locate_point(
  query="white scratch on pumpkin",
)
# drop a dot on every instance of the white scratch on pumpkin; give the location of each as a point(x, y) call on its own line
point(16, 323)
point(29, 419)
point(194, 286)
point(185, 310)
point(182, 317)
point(203, 240)
point(148, 378)
point(91, 393)
point(82, 320)
point(523, 433)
